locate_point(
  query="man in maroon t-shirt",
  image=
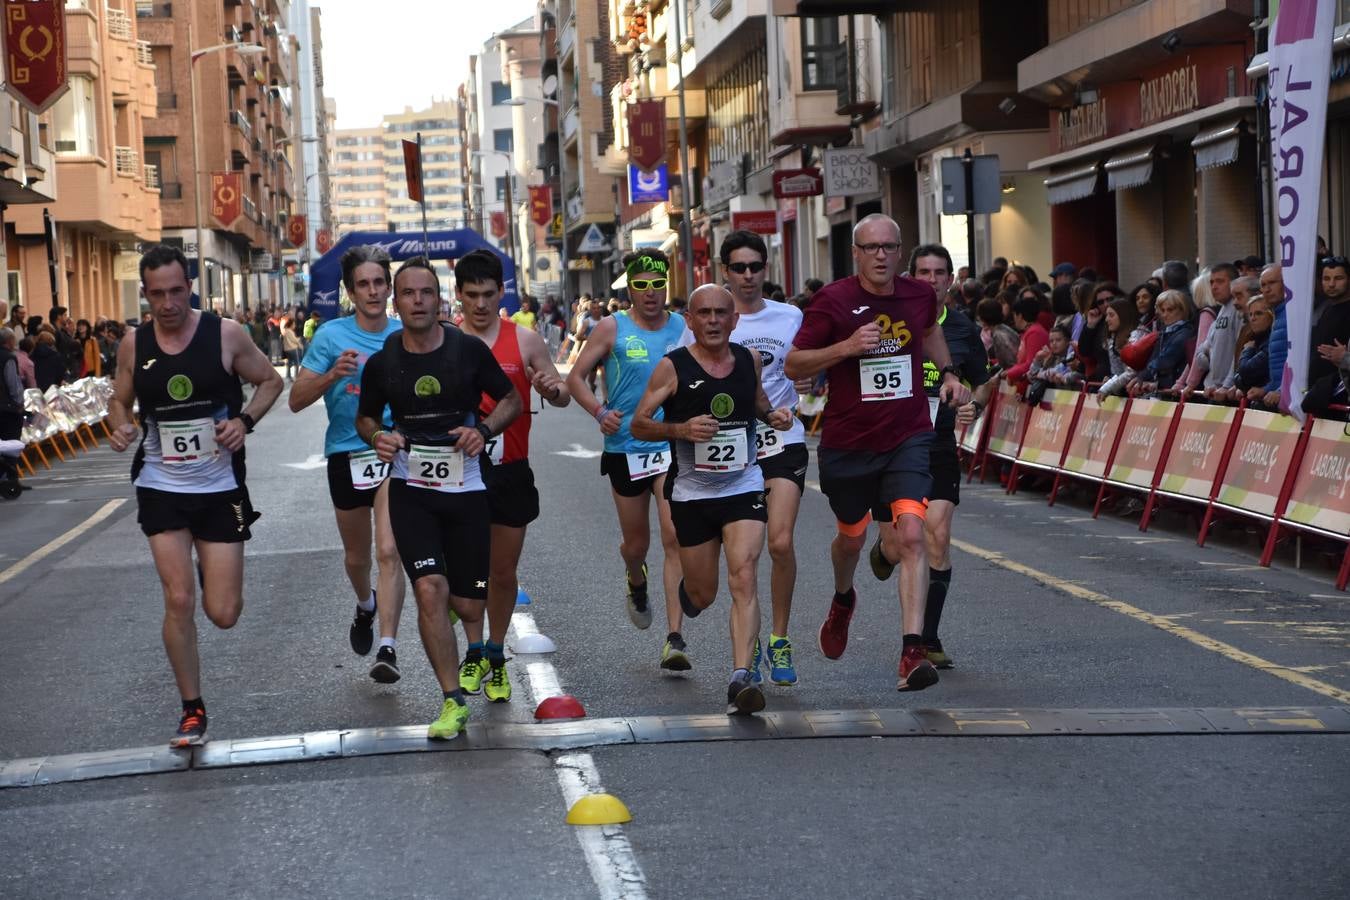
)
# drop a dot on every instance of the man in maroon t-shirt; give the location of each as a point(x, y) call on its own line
point(872, 333)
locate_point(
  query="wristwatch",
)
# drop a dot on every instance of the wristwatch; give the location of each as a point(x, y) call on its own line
point(485, 431)
point(954, 370)
point(249, 424)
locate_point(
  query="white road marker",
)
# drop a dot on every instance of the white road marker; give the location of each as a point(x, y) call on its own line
point(579, 452)
point(609, 855)
point(313, 461)
point(52, 546)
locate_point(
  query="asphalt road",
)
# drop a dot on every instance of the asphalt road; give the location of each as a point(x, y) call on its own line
point(1136, 621)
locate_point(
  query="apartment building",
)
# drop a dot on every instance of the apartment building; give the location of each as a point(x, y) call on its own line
point(27, 178)
point(310, 145)
point(442, 152)
point(243, 124)
point(108, 199)
point(359, 189)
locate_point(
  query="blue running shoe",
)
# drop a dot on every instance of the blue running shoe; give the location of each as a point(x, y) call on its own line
point(780, 662)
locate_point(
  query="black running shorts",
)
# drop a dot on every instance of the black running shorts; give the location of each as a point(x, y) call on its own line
point(699, 521)
point(512, 497)
point(222, 517)
point(945, 466)
point(340, 485)
point(442, 534)
point(790, 464)
point(860, 481)
point(615, 465)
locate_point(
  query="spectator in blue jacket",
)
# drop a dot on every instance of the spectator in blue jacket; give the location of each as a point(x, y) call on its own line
point(1272, 291)
point(1169, 352)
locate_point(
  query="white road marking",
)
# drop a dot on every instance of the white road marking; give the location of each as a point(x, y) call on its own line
point(313, 461)
point(52, 546)
point(609, 855)
point(578, 452)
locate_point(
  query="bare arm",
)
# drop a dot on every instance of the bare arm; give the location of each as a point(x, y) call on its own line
point(249, 363)
point(470, 441)
point(543, 374)
point(810, 363)
point(953, 391)
point(310, 385)
point(124, 395)
point(661, 387)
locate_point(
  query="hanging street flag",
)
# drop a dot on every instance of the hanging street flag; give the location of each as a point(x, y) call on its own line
point(323, 240)
point(541, 204)
point(1300, 72)
point(35, 52)
point(227, 197)
point(647, 133)
point(498, 226)
point(412, 168)
point(296, 229)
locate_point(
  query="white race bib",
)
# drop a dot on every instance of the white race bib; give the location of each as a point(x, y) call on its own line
point(885, 378)
point(768, 441)
point(933, 404)
point(645, 465)
point(182, 443)
point(727, 451)
point(435, 468)
point(494, 447)
point(367, 470)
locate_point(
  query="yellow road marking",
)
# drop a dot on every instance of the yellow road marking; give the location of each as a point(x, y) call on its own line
point(1161, 622)
point(57, 543)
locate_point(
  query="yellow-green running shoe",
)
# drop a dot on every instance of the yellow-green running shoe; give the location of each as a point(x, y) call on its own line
point(471, 674)
point(498, 687)
point(454, 717)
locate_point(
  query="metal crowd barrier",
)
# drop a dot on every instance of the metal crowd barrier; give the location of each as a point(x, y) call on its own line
point(1232, 460)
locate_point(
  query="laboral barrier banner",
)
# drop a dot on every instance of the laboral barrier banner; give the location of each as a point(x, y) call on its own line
point(970, 435)
point(1321, 495)
point(1142, 445)
point(1046, 432)
point(1005, 432)
point(1262, 455)
point(1197, 448)
point(1098, 422)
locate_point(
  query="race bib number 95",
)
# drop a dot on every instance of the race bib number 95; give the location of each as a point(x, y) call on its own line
point(885, 378)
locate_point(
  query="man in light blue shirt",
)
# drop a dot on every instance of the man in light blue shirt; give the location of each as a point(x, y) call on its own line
point(357, 480)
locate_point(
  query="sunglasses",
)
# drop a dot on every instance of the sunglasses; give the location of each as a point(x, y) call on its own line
point(647, 284)
point(740, 268)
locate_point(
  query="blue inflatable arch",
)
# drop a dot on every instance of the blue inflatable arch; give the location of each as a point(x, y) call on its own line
point(325, 276)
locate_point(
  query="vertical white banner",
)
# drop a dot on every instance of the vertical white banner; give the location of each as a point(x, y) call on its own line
point(1300, 72)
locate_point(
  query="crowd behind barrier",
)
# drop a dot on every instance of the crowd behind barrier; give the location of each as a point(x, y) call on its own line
point(1236, 460)
point(61, 419)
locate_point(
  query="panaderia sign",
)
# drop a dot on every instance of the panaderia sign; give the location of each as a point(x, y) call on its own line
point(1189, 81)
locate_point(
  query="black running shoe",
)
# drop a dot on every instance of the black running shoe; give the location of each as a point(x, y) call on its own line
point(362, 633)
point(191, 729)
point(385, 670)
point(744, 697)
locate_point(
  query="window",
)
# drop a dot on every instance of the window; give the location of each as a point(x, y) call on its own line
point(820, 40)
point(503, 139)
point(500, 93)
point(501, 188)
point(73, 115)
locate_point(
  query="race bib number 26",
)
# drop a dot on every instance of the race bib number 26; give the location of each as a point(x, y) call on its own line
point(435, 468)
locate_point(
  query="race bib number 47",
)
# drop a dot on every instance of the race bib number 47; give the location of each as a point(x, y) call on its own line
point(435, 468)
point(182, 443)
point(885, 377)
point(367, 470)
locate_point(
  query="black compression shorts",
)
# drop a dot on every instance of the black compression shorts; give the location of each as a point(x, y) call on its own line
point(699, 521)
point(221, 517)
point(443, 534)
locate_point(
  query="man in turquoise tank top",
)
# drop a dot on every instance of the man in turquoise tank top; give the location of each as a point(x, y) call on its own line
point(629, 347)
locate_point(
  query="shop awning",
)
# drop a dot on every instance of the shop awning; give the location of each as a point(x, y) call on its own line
point(1071, 184)
point(620, 282)
point(1218, 146)
point(669, 243)
point(1130, 169)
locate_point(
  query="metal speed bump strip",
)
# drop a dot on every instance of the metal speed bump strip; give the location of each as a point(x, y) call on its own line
point(573, 735)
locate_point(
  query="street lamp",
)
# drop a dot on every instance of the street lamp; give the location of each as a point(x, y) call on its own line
point(193, 56)
point(510, 206)
point(562, 189)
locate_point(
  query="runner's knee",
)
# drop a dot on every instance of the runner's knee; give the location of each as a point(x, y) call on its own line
point(225, 617)
point(781, 547)
point(179, 604)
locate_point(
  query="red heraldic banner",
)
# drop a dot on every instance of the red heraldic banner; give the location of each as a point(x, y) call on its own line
point(647, 133)
point(541, 204)
point(227, 198)
point(296, 229)
point(35, 52)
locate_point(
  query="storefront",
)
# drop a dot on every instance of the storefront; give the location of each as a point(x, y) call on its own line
point(1161, 165)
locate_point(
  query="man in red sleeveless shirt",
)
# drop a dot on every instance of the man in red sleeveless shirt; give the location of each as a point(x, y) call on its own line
point(512, 496)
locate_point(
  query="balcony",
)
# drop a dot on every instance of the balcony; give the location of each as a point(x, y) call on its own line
point(251, 209)
point(152, 177)
point(240, 121)
point(571, 123)
point(119, 23)
point(854, 92)
point(567, 40)
point(233, 35)
point(127, 162)
point(148, 9)
point(144, 56)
